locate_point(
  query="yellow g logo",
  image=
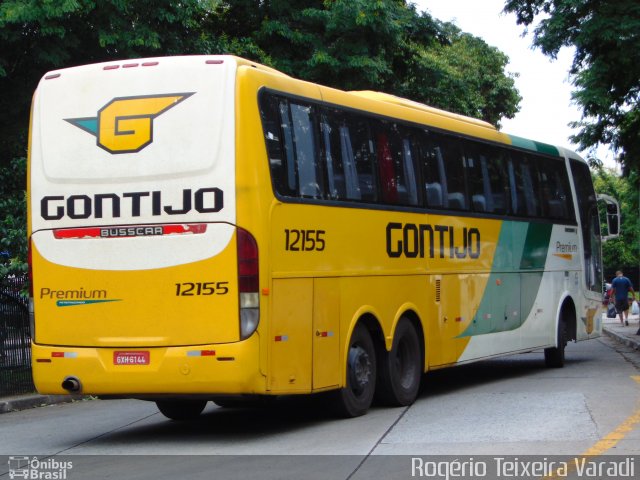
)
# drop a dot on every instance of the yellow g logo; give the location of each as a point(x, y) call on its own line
point(125, 124)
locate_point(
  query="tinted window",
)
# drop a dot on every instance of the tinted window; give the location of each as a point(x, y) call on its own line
point(556, 194)
point(350, 158)
point(292, 147)
point(396, 165)
point(442, 171)
point(590, 223)
point(524, 185)
point(488, 186)
point(327, 153)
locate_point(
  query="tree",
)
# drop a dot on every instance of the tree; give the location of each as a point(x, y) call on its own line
point(605, 69)
point(13, 219)
point(349, 44)
point(469, 78)
point(388, 46)
point(622, 252)
point(37, 36)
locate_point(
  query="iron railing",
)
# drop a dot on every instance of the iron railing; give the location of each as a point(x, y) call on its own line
point(15, 338)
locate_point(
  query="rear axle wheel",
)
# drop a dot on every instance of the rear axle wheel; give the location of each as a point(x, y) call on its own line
point(355, 399)
point(401, 368)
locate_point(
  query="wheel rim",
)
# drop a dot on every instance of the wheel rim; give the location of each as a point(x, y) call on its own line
point(359, 369)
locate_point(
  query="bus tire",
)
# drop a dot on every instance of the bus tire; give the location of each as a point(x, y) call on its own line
point(355, 399)
point(400, 369)
point(181, 409)
point(554, 357)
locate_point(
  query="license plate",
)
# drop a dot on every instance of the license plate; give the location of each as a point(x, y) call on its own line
point(131, 358)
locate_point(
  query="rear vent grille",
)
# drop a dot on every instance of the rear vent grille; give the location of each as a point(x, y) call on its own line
point(437, 290)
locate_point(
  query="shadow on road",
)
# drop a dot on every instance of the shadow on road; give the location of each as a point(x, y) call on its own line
point(290, 413)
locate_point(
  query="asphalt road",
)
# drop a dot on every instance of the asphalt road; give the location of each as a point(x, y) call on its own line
point(512, 406)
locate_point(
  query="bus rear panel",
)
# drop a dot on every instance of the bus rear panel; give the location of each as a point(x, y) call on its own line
point(142, 281)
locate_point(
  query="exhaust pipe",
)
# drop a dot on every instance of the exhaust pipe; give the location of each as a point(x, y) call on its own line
point(71, 385)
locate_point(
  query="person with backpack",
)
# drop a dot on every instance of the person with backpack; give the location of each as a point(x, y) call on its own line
point(620, 288)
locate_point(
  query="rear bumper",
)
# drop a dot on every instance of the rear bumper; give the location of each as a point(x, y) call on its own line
point(229, 368)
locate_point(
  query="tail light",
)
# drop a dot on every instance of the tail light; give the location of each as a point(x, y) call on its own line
point(248, 283)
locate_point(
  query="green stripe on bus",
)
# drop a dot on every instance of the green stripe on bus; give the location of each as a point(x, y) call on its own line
point(534, 146)
point(511, 290)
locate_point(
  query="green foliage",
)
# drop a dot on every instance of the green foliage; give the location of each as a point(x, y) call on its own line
point(469, 78)
point(350, 44)
point(13, 218)
point(622, 252)
point(40, 35)
point(387, 45)
point(606, 65)
point(382, 45)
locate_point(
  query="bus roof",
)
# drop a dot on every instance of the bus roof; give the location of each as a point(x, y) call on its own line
point(375, 96)
point(386, 97)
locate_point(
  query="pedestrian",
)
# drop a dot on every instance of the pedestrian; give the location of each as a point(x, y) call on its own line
point(620, 288)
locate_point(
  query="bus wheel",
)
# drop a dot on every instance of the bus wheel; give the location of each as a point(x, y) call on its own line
point(181, 409)
point(355, 399)
point(401, 368)
point(554, 357)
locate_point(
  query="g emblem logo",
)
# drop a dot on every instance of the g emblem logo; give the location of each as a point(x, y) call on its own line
point(125, 124)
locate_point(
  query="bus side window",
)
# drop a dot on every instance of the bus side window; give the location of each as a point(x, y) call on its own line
point(589, 223)
point(282, 173)
point(350, 157)
point(396, 164)
point(289, 150)
point(386, 167)
point(335, 170)
point(431, 165)
point(290, 135)
point(526, 201)
point(409, 170)
point(498, 180)
point(556, 201)
point(452, 173)
point(517, 201)
point(342, 178)
point(357, 148)
point(306, 152)
point(349, 161)
point(486, 176)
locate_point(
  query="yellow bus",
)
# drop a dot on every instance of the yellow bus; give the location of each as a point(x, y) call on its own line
point(206, 228)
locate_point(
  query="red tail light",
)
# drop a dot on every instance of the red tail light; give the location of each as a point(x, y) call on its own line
point(248, 283)
point(247, 262)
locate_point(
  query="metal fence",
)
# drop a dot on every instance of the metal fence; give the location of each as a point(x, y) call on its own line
point(15, 338)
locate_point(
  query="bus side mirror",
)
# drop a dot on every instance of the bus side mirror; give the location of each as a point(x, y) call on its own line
point(612, 211)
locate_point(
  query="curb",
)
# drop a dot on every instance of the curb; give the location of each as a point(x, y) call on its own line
point(629, 342)
point(24, 402)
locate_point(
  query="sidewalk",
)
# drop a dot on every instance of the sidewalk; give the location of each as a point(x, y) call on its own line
point(626, 335)
point(32, 400)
